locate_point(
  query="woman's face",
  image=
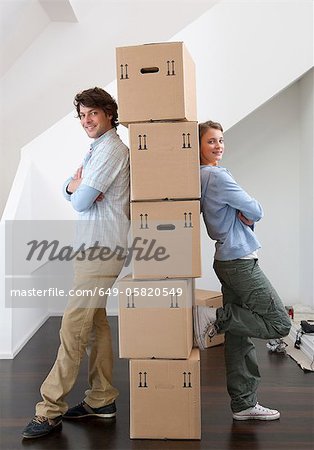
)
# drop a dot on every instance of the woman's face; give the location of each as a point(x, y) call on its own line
point(212, 147)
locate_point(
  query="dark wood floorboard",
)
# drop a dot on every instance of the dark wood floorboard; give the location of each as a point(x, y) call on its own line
point(284, 386)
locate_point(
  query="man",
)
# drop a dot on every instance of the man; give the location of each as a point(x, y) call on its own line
point(99, 191)
point(252, 307)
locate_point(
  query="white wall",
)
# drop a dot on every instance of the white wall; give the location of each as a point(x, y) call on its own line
point(17, 325)
point(22, 317)
point(306, 200)
point(246, 52)
point(270, 154)
point(264, 157)
point(6, 313)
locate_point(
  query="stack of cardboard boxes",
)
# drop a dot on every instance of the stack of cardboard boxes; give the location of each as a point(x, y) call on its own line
point(157, 101)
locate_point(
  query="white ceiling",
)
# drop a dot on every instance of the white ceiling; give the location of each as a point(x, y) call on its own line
point(22, 21)
point(59, 11)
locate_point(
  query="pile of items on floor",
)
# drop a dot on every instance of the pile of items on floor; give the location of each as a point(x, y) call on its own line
point(299, 345)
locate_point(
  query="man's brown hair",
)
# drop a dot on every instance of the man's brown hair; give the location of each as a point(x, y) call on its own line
point(97, 98)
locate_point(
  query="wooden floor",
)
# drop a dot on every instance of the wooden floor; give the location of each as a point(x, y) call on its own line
point(284, 386)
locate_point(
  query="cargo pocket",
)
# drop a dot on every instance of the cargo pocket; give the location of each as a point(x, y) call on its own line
point(262, 302)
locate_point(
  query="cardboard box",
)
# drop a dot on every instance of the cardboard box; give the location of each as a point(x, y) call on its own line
point(214, 300)
point(155, 318)
point(155, 82)
point(165, 239)
point(165, 161)
point(165, 398)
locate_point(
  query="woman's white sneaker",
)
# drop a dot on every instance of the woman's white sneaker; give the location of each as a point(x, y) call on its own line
point(257, 412)
point(204, 319)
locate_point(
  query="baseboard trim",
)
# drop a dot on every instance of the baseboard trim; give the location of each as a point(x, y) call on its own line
point(6, 356)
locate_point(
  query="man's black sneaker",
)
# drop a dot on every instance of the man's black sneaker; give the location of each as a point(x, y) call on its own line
point(40, 426)
point(84, 410)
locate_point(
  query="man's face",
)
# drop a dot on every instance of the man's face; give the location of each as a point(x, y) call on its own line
point(212, 147)
point(94, 121)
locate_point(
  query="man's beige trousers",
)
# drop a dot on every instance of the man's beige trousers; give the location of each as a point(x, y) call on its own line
point(84, 327)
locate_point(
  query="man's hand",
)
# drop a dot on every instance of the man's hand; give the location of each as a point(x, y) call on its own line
point(244, 219)
point(78, 173)
point(76, 180)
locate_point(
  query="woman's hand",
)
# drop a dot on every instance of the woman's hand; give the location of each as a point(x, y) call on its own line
point(100, 197)
point(244, 219)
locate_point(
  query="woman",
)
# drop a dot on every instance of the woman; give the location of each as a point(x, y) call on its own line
point(252, 307)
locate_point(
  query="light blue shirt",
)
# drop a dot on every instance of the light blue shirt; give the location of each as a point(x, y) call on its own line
point(105, 169)
point(222, 198)
point(83, 198)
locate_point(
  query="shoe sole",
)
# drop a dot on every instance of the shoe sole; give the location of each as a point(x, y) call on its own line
point(102, 416)
point(197, 339)
point(273, 417)
point(43, 434)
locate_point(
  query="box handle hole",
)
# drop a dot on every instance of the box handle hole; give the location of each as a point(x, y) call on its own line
point(166, 227)
point(149, 70)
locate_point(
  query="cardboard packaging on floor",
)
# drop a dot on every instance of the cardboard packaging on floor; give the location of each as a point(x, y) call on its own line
point(164, 161)
point(155, 318)
point(214, 300)
point(155, 82)
point(165, 398)
point(166, 239)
